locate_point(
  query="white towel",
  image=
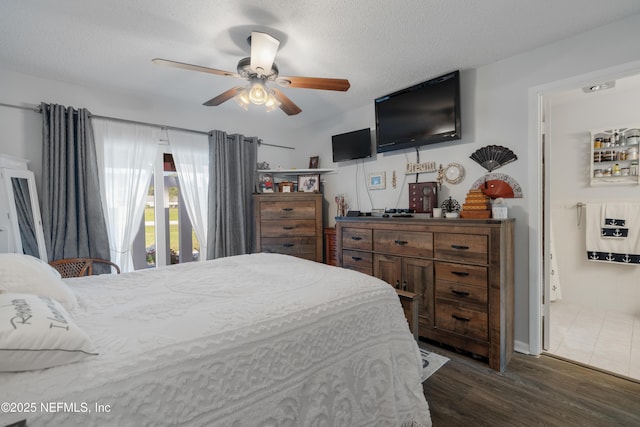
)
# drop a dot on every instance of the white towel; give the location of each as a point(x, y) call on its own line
point(613, 247)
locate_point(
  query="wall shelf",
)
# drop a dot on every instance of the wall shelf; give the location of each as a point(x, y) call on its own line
point(611, 162)
point(295, 171)
point(280, 176)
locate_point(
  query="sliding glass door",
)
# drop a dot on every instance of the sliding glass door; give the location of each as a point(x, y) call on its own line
point(166, 236)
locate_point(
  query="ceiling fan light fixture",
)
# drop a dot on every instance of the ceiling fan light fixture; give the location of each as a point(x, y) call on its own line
point(259, 69)
point(242, 99)
point(269, 109)
point(272, 102)
point(258, 93)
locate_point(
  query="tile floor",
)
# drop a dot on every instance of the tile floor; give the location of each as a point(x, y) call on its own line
point(603, 339)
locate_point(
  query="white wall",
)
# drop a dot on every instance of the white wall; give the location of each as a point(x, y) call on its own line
point(496, 110)
point(589, 284)
point(21, 136)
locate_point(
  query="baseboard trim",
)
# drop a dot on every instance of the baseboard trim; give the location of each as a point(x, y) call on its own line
point(521, 347)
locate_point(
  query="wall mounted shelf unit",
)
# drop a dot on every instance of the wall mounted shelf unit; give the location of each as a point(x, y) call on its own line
point(614, 160)
point(295, 171)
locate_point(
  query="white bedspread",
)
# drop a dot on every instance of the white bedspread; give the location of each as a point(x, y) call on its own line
point(253, 340)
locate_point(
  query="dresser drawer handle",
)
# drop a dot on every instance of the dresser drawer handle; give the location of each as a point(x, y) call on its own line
point(287, 209)
point(356, 258)
point(400, 242)
point(464, 319)
point(460, 247)
point(288, 245)
point(460, 293)
point(356, 238)
point(460, 273)
point(288, 227)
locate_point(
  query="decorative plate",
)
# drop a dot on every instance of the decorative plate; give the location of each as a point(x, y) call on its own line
point(497, 185)
point(454, 173)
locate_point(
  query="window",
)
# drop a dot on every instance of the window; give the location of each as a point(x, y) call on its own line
point(166, 235)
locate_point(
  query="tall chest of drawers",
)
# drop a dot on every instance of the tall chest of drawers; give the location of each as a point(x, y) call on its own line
point(289, 223)
point(461, 271)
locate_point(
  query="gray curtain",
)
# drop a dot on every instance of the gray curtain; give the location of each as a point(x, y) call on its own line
point(232, 169)
point(72, 216)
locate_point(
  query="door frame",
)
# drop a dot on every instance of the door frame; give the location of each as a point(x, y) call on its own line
point(539, 186)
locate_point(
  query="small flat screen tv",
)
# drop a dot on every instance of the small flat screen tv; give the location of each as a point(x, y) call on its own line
point(426, 113)
point(351, 145)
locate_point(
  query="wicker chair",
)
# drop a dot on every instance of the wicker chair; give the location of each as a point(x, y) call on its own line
point(78, 267)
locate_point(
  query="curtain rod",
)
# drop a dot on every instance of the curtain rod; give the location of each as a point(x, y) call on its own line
point(37, 110)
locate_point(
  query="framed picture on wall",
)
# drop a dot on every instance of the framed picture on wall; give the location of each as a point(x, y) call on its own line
point(314, 162)
point(377, 181)
point(309, 183)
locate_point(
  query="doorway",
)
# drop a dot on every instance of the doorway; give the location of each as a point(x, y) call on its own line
point(165, 236)
point(595, 318)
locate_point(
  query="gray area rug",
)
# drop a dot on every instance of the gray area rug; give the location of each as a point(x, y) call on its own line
point(431, 362)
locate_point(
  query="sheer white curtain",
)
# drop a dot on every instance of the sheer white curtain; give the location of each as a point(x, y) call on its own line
point(126, 156)
point(190, 152)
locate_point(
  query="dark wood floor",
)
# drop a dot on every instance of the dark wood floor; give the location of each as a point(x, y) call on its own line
point(533, 391)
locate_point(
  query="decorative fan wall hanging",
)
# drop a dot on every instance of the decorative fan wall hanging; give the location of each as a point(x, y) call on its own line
point(492, 157)
point(497, 185)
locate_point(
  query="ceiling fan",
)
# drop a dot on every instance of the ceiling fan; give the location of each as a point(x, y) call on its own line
point(259, 69)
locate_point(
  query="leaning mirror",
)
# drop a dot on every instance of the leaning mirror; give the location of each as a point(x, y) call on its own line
point(24, 213)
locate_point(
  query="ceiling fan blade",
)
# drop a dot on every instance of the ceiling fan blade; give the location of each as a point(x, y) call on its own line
point(314, 83)
point(286, 104)
point(191, 67)
point(263, 52)
point(224, 96)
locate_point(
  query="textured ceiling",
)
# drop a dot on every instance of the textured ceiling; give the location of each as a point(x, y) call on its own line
point(379, 45)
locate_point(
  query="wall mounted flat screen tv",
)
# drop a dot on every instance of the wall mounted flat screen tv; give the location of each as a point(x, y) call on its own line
point(351, 145)
point(426, 113)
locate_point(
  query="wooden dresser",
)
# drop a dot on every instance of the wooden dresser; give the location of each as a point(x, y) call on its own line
point(289, 223)
point(461, 271)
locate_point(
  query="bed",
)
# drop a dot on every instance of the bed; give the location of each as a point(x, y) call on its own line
point(251, 340)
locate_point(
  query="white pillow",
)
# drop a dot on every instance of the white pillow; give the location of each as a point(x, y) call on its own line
point(30, 275)
point(36, 332)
